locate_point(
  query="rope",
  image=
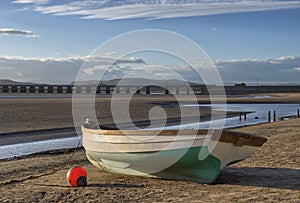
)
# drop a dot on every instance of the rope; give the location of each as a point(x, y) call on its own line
point(30, 177)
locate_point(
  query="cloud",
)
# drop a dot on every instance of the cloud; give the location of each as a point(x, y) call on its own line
point(114, 67)
point(19, 74)
point(9, 31)
point(283, 70)
point(30, 1)
point(158, 9)
point(279, 70)
point(297, 69)
point(110, 54)
point(56, 70)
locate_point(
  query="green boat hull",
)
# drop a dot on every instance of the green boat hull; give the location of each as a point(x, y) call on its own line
point(170, 154)
point(188, 167)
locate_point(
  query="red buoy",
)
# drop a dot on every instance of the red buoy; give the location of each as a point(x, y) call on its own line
point(77, 176)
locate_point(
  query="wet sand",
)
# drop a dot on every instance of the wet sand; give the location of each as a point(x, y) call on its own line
point(30, 114)
point(272, 174)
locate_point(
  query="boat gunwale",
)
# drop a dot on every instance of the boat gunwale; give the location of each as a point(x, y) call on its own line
point(150, 141)
point(229, 136)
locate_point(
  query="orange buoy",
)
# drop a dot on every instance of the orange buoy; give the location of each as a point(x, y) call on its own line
point(77, 176)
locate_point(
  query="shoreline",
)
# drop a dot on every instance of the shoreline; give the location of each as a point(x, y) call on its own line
point(30, 114)
point(36, 135)
point(29, 120)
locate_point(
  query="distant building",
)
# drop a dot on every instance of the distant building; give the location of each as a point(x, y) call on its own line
point(240, 84)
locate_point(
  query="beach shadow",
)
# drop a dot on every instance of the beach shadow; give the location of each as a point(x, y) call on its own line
point(280, 178)
point(116, 185)
point(93, 185)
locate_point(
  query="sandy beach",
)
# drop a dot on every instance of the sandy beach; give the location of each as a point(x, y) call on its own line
point(195, 100)
point(272, 174)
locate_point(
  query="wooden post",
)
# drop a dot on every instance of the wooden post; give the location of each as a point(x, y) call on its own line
point(298, 113)
point(274, 115)
point(128, 90)
point(107, 90)
point(147, 89)
point(269, 116)
point(117, 90)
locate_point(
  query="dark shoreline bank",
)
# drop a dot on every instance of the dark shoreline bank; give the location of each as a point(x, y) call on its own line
point(32, 119)
point(36, 135)
point(59, 133)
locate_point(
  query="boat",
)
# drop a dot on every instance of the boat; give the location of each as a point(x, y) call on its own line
point(188, 154)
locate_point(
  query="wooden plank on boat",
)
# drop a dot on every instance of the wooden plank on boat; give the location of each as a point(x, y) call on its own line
point(236, 138)
point(240, 139)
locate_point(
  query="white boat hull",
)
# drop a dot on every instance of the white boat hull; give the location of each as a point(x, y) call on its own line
point(192, 155)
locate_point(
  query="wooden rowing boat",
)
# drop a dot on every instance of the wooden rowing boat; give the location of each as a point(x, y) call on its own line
point(194, 155)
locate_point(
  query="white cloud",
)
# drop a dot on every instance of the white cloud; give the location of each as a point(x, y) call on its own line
point(56, 70)
point(9, 31)
point(157, 9)
point(64, 70)
point(19, 74)
point(279, 70)
point(297, 68)
point(110, 54)
point(30, 1)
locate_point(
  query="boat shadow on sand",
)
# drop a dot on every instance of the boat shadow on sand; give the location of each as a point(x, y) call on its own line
point(116, 185)
point(280, 178)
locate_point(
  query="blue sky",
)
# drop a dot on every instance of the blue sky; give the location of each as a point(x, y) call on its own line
point(231, 32)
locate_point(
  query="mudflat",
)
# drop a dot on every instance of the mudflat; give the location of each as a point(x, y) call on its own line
point(29, 114)
point(21, 113)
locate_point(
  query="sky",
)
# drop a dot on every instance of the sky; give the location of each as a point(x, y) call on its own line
point(48, 41)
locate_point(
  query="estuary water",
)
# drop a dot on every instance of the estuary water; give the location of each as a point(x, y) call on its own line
point(17, 150)
point(257, 113)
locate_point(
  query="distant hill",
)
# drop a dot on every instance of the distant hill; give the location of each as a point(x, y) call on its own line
point(125, 82)
point(133, 82)
point(12, 82)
